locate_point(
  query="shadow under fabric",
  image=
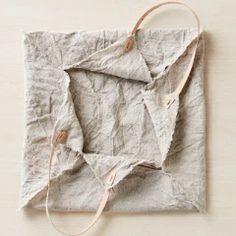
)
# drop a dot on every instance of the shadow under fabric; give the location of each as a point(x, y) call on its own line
point(125, 117)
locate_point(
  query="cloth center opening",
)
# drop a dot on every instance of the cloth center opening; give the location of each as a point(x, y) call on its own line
point(113, 116)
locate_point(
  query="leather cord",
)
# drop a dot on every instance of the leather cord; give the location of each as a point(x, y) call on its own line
point(60, 138)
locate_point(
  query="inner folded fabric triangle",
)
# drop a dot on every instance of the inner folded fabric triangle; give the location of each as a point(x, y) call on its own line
point(163, 118)
point(102, 165)
point(114, 61)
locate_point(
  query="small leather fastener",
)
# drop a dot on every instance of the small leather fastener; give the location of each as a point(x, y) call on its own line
point(129, 43)
point(111, 179)
point(169, 102)
point(60, 137)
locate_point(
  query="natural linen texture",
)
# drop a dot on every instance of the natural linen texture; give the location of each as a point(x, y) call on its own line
point(111, 104)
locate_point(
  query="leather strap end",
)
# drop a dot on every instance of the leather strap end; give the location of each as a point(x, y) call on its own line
point(60, 137)
point(129, 43)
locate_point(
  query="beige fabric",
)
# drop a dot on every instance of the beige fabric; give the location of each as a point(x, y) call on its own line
point(111, 104)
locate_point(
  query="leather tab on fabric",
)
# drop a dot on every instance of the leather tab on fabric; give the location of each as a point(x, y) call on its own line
point(60, 137)
point(169, 101)
point(129, 43)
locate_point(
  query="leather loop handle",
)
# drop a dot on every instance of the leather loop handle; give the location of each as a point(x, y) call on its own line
point(130, 40)
point(59, 138)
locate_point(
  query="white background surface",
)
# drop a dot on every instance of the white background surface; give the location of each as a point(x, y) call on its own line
point(218, 18)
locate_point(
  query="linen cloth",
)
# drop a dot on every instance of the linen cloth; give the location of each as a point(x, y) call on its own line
point(111, 103)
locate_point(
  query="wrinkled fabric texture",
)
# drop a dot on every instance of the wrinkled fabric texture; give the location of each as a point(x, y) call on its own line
point(111, 104)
